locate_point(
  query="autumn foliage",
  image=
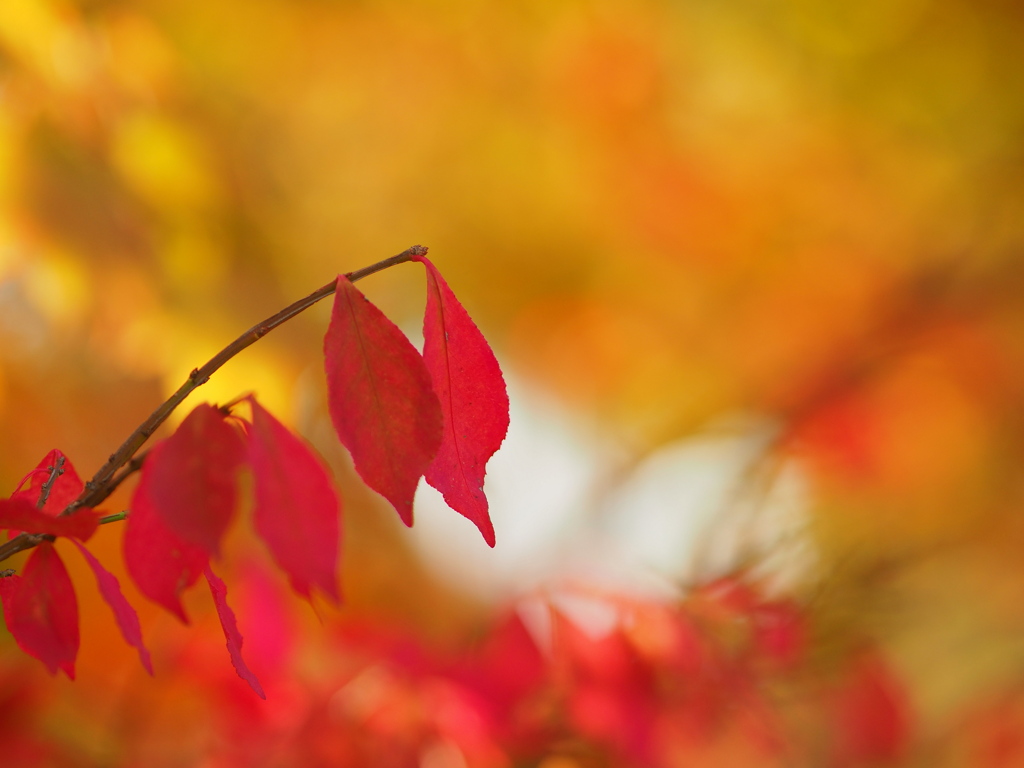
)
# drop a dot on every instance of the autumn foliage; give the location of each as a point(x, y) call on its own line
point(753, 275)
point(386, 402)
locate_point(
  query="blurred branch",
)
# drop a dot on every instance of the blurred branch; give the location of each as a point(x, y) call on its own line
point(106, 478)
point(22, 542)
point(132, 467)
point(25, 541)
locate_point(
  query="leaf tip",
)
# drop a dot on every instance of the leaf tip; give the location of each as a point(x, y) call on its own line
point(178, 610)
point(486, 528)
point(404, 510)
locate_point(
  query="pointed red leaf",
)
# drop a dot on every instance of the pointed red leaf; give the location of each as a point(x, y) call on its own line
point(127, 619)
point(41, 610)
point(193, 483)
point(64, 490)
point(474, 402)
point(159, 561)
point(18, 515)
point(231, 633)
point(380, 397)
point(295, 511)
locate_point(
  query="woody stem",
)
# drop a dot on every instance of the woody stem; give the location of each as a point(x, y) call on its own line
point(106, 479)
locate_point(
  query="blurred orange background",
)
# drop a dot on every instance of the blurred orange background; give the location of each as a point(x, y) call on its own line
point(773, 245)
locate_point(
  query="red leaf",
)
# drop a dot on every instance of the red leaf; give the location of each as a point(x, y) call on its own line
point(18, 514)
point(296, 511)
point(380, 397)
point(160, 562)
point(127, 619)
point(474, 403)
point(873, 713)
point(613, 693)
point(41, 610)
point(65, 489)
point(193, 482)
point(508, 667)
point(230, 626)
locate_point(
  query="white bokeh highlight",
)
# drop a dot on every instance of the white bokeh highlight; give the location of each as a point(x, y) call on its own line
point(558, 520)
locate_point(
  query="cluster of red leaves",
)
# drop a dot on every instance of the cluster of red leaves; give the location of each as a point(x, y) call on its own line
point(402, 416)
point(727, 676)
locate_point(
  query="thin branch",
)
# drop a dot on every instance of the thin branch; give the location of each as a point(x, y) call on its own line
point(106, 478)
point(97, 489)
point(130, 468)
point(55, 471)
point(22, 542)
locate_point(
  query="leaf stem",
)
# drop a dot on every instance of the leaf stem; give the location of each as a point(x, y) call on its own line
point(113, 518)
point(106, 478)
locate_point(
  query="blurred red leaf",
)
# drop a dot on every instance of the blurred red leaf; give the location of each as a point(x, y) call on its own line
point(272, 633)
point(192, 483)
point(231, 633)
point(873, 715)
point(380, 397)
point(41, 610)
point(611, 691)
point(159, 561)
point(19, 515)
point(474, 402)
point(509, 665)
point(127, 619)
point(508, 675)
point(64, 490)
point(780, 632)
point(296, 510)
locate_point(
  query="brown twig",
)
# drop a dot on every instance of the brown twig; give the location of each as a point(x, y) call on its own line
point(22, 542)
point(106, 478)
point(55, 471)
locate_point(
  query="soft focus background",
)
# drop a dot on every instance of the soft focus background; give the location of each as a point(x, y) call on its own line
point(752, 270)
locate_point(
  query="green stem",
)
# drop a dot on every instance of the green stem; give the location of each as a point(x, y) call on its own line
point(114, 518)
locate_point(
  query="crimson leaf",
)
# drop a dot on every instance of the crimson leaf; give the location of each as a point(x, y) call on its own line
point(127, 619)
point(231, 633)
point(192, 483)
point(159, 561)
point(18, 514)
point(296, 509)
point(64, 490)
point(380, 398)
point(474, 402)
point(41, 610)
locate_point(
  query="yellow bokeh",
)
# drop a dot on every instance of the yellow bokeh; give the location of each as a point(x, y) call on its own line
point(60, 287)
point(164, 163)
